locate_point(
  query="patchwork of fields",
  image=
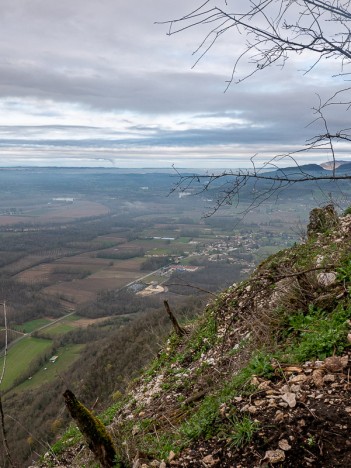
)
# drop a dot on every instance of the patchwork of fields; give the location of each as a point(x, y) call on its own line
point(76, 278)
point(28, 359)
point(71, 248)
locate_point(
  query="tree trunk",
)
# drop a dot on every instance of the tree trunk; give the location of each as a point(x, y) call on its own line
point(94, 432)
point(177, 328)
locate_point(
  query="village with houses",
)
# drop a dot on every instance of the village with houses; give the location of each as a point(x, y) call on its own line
point(242, 249)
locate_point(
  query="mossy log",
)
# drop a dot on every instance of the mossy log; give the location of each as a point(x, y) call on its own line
point(322, 219)
point(94, 432)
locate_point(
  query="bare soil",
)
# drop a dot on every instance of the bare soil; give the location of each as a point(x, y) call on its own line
point(312, 432)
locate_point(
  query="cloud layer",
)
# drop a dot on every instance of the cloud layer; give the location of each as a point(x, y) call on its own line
point(98, 83)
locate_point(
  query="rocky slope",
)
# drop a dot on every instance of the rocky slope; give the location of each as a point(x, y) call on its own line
point(261, 379)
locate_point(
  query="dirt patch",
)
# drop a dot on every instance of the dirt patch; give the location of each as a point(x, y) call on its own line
point(73, 292)
point(304, 418)
point(150, 290)
point(4, 220)
point(83, 323)
point(78, 209)
point(57, 213)
point(40, 273)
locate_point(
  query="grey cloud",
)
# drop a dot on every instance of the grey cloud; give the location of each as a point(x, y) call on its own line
point(227, 135)
point(109, 56)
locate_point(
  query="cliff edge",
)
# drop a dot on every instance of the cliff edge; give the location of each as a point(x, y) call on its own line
point(261, 379)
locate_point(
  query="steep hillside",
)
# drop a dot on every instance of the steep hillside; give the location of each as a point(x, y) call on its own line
point(262, 379)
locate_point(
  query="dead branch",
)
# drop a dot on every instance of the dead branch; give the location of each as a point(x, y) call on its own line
point(2, 416)
point(179, 331)
point(271, 32)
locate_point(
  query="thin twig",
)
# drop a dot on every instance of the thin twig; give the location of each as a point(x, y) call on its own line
point(2, 416)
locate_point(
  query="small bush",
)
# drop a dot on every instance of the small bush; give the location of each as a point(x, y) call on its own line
point(241, 430)
point(319, 334)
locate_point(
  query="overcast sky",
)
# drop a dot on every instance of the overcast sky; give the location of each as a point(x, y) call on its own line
point(96, 82)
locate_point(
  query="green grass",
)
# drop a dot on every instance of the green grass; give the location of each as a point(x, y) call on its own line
point(184, 240)
point(69, 438)
point(20, 356)
point(241, 431)
point(32, 325)
point(72, 318)
point(66, 356)
point(159, 251)
point(57, 329)
point(155, 277)
point(206, 422)
point(190, 260)
point(318, 334)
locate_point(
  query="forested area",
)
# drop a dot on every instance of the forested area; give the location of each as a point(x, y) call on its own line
point(114, 303)
point(211, 277)
point(112, 357)
point(26, 302)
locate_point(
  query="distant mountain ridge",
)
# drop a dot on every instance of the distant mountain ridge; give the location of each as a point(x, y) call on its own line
point(303, 170)
point(297, 172)
point(345, 168)
point(329, 165)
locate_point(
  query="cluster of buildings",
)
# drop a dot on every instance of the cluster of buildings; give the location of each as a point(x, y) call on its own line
point(179, 268)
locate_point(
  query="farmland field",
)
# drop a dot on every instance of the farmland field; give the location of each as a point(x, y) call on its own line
point(80, 291)
point(49, 371)
point(77, 209)
point(5, 220)
point(57, 329)
point(104, 274)
point(64, 325)
point(32, 325)
point(56, 212)
point(20, 356)
point(71, 240)
point(24, 263)
point(84, 232)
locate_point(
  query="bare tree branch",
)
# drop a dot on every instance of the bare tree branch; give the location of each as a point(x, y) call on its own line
point(273, 31)
point(2, 415)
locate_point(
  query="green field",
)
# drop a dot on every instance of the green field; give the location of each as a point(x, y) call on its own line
point(72, 318)
point(49, 370)
point(160, 251)
point(29, 327)
point(155, 277)
point(60, 328)
point(27, 350)
point(190, 260)
point(57, 329)
point(20, 356)
point(184, 240)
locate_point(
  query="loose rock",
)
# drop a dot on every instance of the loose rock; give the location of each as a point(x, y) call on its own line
point(209, 460)
point(284, 445)
point(290, 399)
point(274, 456)
point(317, 378)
